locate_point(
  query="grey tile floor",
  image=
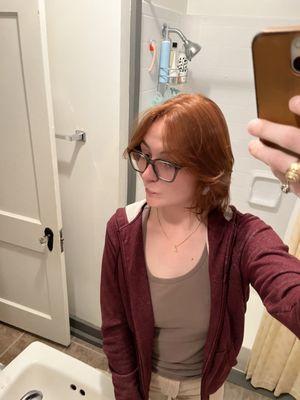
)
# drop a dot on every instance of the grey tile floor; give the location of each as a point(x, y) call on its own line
point(234, 392)
point(13, 341)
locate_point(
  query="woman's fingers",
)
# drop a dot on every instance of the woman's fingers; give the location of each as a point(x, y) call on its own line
point(294, 104)
point(286, 136)
point(276, 159)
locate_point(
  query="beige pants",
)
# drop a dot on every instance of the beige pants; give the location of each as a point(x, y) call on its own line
point(168, 389)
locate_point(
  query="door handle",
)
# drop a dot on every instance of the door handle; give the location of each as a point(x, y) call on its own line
point(47, 238)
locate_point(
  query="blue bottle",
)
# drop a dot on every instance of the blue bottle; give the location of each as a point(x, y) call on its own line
point(164, 60)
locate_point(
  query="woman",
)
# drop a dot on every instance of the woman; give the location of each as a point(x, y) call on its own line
point(176, 268)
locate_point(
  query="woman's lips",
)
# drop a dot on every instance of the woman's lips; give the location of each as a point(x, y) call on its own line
point(150, 192)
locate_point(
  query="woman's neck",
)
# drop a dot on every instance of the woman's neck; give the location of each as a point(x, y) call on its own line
point(176, 216)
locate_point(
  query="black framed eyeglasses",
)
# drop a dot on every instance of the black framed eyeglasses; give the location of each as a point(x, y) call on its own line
point(164, 170)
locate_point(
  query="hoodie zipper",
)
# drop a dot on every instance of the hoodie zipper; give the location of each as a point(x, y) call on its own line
point(141, 373)
point(139, 361)
point(222, 311)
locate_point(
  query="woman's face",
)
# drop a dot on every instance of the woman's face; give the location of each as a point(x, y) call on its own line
point(159, 193)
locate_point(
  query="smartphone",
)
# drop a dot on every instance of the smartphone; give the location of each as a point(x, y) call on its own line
point(276, 62)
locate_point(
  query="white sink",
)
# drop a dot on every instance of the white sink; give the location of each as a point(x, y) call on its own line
point(55, 374)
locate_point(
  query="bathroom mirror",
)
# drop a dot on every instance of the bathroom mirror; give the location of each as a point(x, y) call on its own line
point(98, 85)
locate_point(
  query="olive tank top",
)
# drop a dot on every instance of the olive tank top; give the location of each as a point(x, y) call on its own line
point(181, 309)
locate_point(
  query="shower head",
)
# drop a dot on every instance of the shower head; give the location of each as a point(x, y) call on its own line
point(191, 48)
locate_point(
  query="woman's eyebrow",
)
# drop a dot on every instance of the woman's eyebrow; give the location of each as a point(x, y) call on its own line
point(145, 143)
point(163, 153)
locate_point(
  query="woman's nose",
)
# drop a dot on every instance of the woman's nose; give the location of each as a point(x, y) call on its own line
point(149, 174)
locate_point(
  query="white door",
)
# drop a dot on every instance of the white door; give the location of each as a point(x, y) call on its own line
point(33, 293)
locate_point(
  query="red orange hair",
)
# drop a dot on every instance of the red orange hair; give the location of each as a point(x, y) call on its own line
point(196, 137)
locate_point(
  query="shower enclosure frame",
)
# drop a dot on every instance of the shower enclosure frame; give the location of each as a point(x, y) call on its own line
point(134, 85)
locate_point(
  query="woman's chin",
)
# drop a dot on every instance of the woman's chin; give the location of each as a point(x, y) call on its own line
point(153, 201)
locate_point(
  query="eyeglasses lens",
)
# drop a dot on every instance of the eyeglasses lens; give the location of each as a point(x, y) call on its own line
point(164, 170)
point(138, 161)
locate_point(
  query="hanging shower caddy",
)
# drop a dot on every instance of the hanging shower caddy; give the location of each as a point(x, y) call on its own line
point(176, 73)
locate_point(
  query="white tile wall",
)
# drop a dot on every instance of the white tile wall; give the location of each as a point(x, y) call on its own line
point(176, 5)
point(274, 8)
point(222, 71)
point(153, 18)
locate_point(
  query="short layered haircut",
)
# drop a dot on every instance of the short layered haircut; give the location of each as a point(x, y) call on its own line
point(196, 137)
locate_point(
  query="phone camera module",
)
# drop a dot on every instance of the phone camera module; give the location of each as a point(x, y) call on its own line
point(296, 64)
point(295, 54)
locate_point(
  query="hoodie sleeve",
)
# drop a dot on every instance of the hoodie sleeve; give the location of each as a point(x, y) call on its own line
point(118, 342)
point(273, 272)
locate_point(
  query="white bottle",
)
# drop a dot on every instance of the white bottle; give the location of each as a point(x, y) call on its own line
point(173, 70)
point(182, 65)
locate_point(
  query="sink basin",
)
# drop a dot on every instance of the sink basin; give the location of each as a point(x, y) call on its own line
point(56, 374)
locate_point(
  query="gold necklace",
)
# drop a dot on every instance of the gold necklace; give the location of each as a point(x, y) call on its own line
point(175, 246)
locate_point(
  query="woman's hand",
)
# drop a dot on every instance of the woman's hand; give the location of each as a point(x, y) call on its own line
point(286, 136)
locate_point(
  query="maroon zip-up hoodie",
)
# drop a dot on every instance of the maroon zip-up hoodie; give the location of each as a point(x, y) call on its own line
point(243, 250)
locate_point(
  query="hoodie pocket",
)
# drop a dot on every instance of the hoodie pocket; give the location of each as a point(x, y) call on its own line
point(219, 371)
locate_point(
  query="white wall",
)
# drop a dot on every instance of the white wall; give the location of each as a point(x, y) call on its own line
point(152, 21)
point(90, 92)
point(266, 8)
point(153, 18)
point(179, 6)
point(223, 71)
